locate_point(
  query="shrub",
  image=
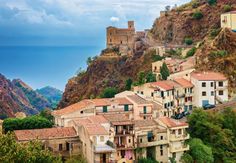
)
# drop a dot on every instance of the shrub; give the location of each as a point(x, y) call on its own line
point(128, 84)
point(191, 52)
point(157, 57)
point(211, 2)
point(219, 53)
point(188, 41)
point(150, 77)
point(197, 15)
point(214, 32)
point(109, 92)
point(227, 8)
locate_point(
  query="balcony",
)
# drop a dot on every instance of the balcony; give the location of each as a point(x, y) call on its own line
point(124, 132)
point(148, 113)
point(174, 137)
point(180, 96)
point(152, 143)
point(179, 149)
point(221, 88)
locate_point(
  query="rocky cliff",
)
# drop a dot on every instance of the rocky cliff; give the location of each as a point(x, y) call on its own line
point(179, 23)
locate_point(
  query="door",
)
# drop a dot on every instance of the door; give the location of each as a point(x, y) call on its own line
point(205, 102)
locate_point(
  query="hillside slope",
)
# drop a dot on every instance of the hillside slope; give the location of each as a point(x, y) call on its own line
point(179, 23)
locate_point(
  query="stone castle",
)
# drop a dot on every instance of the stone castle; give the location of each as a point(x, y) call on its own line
point(122, 38)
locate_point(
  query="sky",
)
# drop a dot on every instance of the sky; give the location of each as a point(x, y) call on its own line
point(60, 23)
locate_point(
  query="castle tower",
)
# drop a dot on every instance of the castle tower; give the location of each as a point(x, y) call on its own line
point(130, 24)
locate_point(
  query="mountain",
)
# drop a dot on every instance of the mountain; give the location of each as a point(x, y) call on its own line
point(13, 99)
point(52, 95)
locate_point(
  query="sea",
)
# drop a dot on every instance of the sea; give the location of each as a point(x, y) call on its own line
point(40, 66)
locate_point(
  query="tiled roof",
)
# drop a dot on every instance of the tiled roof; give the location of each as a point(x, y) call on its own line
point(46, 133)
point(95, 129)
point(166, 84)
point(139, 100)
point(145, 123)
point(101, 102)
point(123, 101)
point(183, 82)
point(188, 64)
point(74, 107)
point(169, 122)
point(118, 119)
point(208, 76)
point(156, 106)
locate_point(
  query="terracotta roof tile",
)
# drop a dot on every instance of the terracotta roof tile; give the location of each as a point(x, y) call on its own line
point(95, 129)
point(139, 100)
point(184, 83)
point(101, 102)
point(74, 107)
point(123, 101)
point(169, 122)
point(166, 85)
point(118, 119)
point(46, 133)
point(205, 76)
point(145, 123)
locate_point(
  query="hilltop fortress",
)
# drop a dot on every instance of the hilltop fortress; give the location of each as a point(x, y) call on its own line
point(123, 38)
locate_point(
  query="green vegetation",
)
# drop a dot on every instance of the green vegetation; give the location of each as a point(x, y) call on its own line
point(188, 41)
point(33, 122)
point(197, 15)
point(186, 158)
point(211, 2)
point(145, 78)
point(214, 32)
point(177, 52)
point(76, 159)
point(227, 8)
point(157, 57)
point(89, 61)
point(191, 52)
point(150, 77)
point(146, 160)
point(215, 135)
point(141, 78)
point(128, 84)
point(46, 113)
point(109, 92)
point(164, 71)
point(3, 116)
point(32, 152)
point(219, 53)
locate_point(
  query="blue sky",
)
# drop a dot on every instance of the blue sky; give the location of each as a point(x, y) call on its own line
point(66, 23)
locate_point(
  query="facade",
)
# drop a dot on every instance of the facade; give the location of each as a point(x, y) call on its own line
point(209, 88)
point(228, 20)
point(177, 135)
point(60, 140)
point(123, 38)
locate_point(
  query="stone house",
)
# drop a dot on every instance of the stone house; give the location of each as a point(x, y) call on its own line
point(228, 20)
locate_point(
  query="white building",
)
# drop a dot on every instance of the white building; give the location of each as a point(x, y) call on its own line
point(209, 88)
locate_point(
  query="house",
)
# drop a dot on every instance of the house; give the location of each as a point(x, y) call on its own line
point(151, 140)
point(228, 20)
point(94, 133)
point(123, 131)
point(60, 140)
point(177, 135)
point(209, 88)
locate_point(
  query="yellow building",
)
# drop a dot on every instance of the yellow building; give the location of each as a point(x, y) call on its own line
point(228, 20)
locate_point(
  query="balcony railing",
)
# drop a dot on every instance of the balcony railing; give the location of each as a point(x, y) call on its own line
point(174, 137)
point(124, 132)
point(145, 113)
point(152, 143)
point(179, 148)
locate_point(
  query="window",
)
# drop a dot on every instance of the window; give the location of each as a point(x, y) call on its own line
point(141, 140)
point(152, 94)
point(212, 84)
point(161, 146)
point(212, 93)
point(179, 131)
point(104, 109)
point(162, 94)
point(101, 138)
point(161, 137)
point(190, 99)
point(126, 107)
point(144, 109)
point(67, 146)
point(174, 155)
point(203, 84)
point(185, 90)
point(168, 93)
point(204, 93)
point(191, 90)
point(171, 103)
point(221, 93)
point(110, 40)
point(129, 140)
point(142, 92)
point(81, 112)
point(121, 42)
point(221, 84)
point(186, 99)
point(161, 152)
point(60, 147)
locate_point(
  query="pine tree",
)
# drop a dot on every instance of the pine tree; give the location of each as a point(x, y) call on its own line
point(164, 71)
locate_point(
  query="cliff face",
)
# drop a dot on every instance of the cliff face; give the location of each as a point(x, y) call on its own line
point(219, 54)
point(13, 99)
point(105, 72)
point(177, 24)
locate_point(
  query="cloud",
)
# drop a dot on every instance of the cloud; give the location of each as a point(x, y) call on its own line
point(114, 19)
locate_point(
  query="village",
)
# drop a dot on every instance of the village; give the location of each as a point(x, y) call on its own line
point(149, 121)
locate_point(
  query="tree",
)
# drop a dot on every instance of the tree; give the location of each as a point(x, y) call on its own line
point(197, 15)
point(186, 158)
point(191, 52)
point(109, 92)
point(150, 77)
point(128, 84)
point(164, 71)
point(89, 61)
point(46, 113)
point(146, 160)
point(32, 152)
point(33, 122)
point(212, 2)
point(141, 78)
point(188, 41)
point(227, 8)
point(167, 8)
point(200, 152)
point(76, 159)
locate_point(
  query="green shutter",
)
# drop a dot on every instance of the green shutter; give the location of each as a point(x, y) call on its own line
point(144, 109)
point(104, 109)
point(126, 107)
